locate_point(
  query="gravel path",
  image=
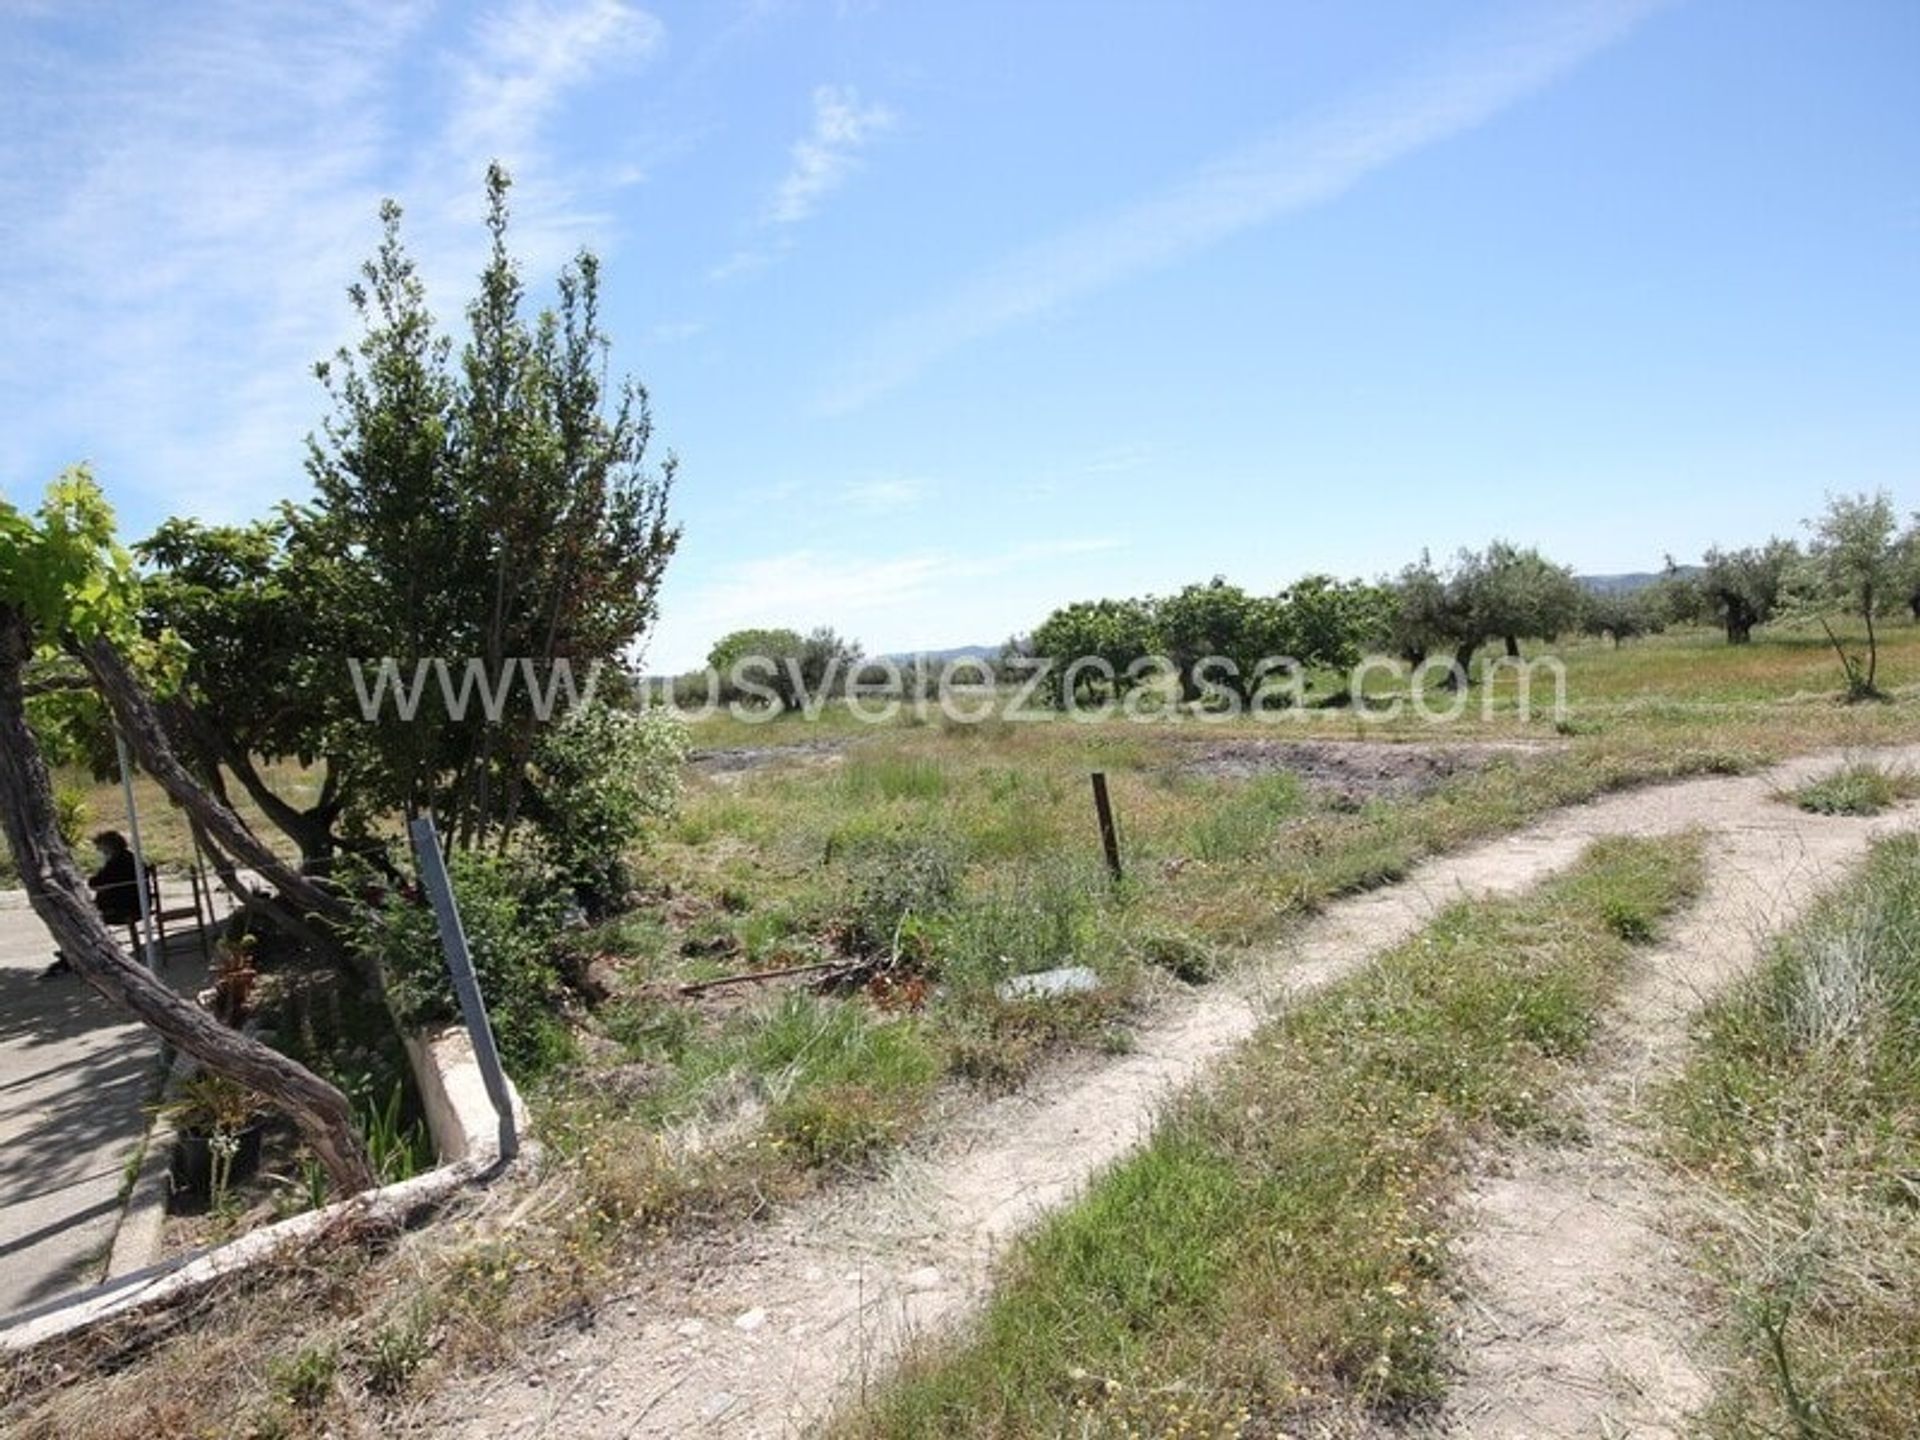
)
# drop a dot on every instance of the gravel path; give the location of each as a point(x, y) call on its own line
point(760, 1337)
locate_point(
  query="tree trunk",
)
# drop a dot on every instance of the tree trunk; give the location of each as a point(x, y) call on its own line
point(310, 829)
point(1461, 675)
point(139, 722)
point(1873, 646)
point(59, 896)
point(134, 714)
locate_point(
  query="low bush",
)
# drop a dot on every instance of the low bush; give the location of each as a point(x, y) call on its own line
point(897, 877)
point(602, 777)
point(513, 915)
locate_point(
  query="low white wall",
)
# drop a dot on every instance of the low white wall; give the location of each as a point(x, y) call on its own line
point(454, 1094)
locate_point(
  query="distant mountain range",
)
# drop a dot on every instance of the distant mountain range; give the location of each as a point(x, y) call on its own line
point(1631, 581)
point(941, 657)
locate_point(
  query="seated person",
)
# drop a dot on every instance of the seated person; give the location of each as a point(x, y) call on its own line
point(116, 890)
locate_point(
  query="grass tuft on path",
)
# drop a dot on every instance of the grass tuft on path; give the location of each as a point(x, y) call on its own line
point(1278, 1251)
point(1862, 788)
point(1801, 1112)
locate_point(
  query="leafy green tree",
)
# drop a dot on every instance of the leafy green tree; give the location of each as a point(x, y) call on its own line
point(1119, 633)
point(1676, 597)
point(1909, 568)
point(783, 666)
point(1856, 556)
point(1743, 589)
point(1218, 620)
point(828, 661)
point(1331, 624)
point(261, 679)
point(1622, 615)
point(1520, 594)
point(756, 662)
point(66, 585)
point(1503, 593)
point(494, 507)
point(1428, 612)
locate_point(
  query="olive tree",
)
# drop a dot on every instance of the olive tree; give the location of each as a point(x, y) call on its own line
point(1856, 558)
point(1504, 592)
point(1744, 589)
point(1622, 614)
point(1909, 568)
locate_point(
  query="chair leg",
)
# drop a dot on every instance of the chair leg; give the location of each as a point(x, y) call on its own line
point(203, 912)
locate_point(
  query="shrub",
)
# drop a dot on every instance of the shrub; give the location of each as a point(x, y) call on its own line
point(602, 774)
point(305, 1378)
point(897, 876)
point(512, 913)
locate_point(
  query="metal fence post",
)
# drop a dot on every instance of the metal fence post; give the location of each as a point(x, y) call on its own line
point(473, 1007)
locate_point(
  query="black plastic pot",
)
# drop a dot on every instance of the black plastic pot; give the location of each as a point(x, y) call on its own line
point(193, 1161)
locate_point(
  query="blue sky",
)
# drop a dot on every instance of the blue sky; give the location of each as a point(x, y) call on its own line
point(956, 312)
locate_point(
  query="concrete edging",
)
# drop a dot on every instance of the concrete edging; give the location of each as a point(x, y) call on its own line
point(466, 1135)
point(136, 1239)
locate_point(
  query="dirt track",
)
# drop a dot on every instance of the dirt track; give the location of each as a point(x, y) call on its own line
point(761, 1338)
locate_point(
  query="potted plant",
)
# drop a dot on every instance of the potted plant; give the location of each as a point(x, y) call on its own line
point(217, 1124)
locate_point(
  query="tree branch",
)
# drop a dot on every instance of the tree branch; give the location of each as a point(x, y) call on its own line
point(59, 895)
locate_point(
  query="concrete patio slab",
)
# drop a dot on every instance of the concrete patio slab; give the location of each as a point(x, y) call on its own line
point(75, 1074)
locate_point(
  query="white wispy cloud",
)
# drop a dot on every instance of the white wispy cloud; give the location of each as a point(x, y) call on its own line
point(1300, 166)
point(182, 207)
point(821, 161)
point(826, 155)
point(742, 262)
point(525, 58)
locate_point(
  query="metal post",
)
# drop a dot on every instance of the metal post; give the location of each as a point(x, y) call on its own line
point(1109, 836)
point(147, 947)
point(473, 1007)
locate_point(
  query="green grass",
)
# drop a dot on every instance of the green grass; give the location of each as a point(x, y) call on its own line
point(1278, 1251)
point(1244, 824)
point(1861, 788)
point(834, 1081)
point(1801, 1113)
point(669, 1114)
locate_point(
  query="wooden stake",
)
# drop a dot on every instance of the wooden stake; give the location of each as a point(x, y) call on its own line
point(1109, 837)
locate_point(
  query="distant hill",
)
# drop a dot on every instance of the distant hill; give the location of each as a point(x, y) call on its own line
point(941, 657)
point(1631, 581)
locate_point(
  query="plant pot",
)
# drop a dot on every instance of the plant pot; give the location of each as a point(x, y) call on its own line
point(193, 1160)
